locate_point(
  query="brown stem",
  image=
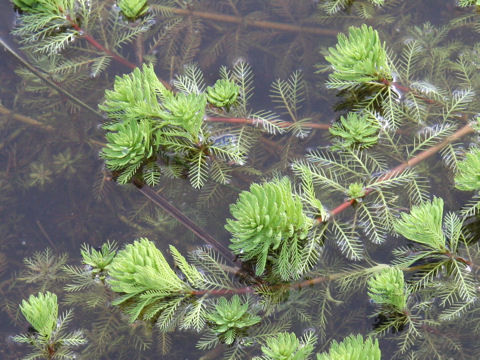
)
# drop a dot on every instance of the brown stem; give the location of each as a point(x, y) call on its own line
point(159, 200)
point(255, 122)
point(241, 20)
point(25, 119)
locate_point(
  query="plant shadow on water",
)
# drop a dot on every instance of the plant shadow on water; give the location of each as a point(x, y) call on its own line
point(235, 179)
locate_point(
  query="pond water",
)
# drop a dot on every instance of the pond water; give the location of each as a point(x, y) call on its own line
point(57, 197)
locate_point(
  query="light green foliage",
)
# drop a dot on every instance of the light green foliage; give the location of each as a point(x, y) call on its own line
point(40, 25)
point(146, 281)
point(465, 3)
point(355, 130)
point(353, 347)
point(129, 145)
point(134, 95)
point(51, 342)
point(358, 59)
point(223, 94)
point(185, 111)
point(269, 226)
point(356, 190)
point(133, 9)
point(468, 175)
point(231, 319)
point(41, 312)
point(172, 123)
point(424, 225)
point(99, 260)
point(286, 346)
point(26, 5)
point(387, 288)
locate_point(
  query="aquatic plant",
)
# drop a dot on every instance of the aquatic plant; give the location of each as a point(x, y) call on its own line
point(388, 289)
point(355, 130)
point(231, 318)
point(269, 225)
point(48, 339)
point(133, 9)
point(311, 235)
point(223, 94)
point(358, 60)
point(286, 346)
point(353, 347)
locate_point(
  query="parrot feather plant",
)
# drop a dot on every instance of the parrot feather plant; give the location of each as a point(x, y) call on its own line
point(309, 229)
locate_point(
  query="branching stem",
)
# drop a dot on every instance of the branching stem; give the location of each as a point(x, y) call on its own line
point(96, 44)
point(467, 129)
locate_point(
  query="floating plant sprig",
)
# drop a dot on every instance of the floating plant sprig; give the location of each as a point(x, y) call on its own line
point(49, 338)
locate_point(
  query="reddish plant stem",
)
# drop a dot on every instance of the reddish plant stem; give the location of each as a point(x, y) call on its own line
point(467, 129)
point(96, 44)
point(255, 122)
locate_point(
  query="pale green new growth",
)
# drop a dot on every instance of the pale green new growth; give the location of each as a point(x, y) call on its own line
point(50, 340)
point(355, 130)
point(142, 274)
point(129, 145)
point(185, 111)
point(353, 348)
point(356, 190)
point(387, 288)
point(468, 175)
point(132, 9)
point(231, 319)
point(424, 225)
point(223, 94)
point(41, 312)
point(135, 95)
point(269, 226)
point(286, 346)
point(99, 260)
point(358, 59)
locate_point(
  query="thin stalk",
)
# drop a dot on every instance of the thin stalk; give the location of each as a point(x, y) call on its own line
point(83, 34)
point(255, 122)
point(465, 130)
point(159, 200)
point(25, 119)
point(241, 20)
point(45, 77)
